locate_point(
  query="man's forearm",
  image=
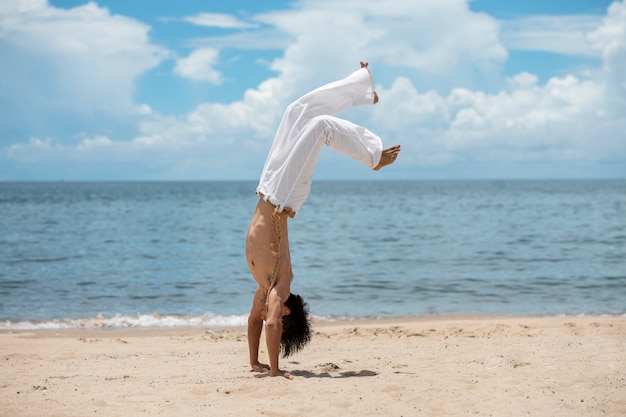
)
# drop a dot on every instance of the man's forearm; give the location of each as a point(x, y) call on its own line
point(273, 332)
point(255, 326)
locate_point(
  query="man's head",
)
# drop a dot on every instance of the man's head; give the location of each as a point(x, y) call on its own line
point(296, 326)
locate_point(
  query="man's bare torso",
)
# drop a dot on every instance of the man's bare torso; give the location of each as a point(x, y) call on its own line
point(259, 248)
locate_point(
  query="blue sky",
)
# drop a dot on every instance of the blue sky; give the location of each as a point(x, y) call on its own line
point(189, 90)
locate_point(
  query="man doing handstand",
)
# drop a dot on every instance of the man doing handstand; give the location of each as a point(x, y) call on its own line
point(307, 125)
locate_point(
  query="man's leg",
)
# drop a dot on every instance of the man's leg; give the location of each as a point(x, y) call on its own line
point(342, 135)
point(351, 140)
point(356, 141)
point(290, 180)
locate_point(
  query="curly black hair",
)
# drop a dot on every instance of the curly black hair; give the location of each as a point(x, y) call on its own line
point(296, 326)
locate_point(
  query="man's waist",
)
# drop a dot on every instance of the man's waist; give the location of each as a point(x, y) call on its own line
point(285, 211)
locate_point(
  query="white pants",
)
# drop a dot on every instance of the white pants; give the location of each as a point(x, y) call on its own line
point(307, 125)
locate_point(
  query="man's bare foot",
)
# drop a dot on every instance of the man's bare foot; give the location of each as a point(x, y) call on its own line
point(260, 367)
point(282, 373)
point(388, 157)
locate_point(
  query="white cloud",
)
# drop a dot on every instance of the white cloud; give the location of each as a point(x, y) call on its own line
point(562, 120)
point(70, 70)
point(558, 34)
point(439, 38)
point(198, 66)
point(610, 39)
point(91, 57)
point(568, 118)
point(258, 40)
point(218, 20)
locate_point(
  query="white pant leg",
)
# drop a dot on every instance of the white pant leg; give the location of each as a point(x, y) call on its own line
point(289, 175)
point(350, 139)
point(307, 125)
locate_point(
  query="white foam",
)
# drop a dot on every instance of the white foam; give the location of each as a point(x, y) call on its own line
point(122, 321)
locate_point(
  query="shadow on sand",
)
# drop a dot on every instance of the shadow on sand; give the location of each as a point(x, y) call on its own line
point(326, 374)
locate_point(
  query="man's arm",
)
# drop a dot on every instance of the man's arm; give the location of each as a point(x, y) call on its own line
point(255, 326)
point(274, 330)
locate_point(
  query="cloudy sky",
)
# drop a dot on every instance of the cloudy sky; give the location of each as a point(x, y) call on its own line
point(190, 90)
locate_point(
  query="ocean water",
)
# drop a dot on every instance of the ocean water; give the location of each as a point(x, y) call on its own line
point(172, 253)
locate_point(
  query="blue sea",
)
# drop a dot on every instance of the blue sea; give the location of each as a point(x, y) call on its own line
point(152, 254)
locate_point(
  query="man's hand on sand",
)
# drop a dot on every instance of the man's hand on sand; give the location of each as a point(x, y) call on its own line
point(282, 373)
point(260, 367)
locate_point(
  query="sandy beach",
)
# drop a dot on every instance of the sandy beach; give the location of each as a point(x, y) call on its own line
point(453, 366)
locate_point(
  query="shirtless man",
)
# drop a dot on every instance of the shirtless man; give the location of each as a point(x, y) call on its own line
point(307, 125)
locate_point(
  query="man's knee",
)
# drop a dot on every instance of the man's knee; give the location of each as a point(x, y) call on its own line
point(322, 126)
point(323, 121)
